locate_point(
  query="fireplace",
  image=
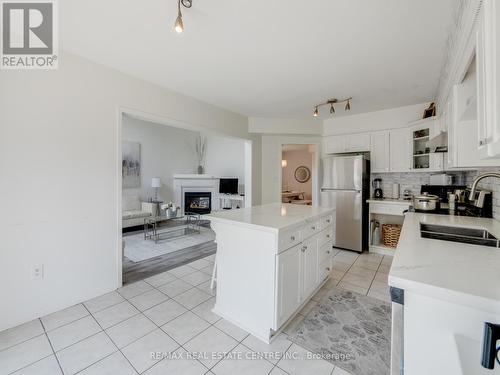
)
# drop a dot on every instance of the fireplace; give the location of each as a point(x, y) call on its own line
point(198, 202)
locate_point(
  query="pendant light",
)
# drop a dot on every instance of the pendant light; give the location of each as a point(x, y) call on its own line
point(179, 25)
point(316, 112)
point(348, 105)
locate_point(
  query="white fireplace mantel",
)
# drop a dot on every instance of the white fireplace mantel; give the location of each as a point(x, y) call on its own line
point(194, 177)
point(195, 183)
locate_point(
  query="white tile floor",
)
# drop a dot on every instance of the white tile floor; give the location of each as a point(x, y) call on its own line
point(171, 313)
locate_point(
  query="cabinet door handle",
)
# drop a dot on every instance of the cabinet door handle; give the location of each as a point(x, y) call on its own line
point(327, 236)
point(292, 238)
point(482, 142)
point(304, 248)
point(328, 251)
point(313, 227)
point(328, 221)
point(328, 268)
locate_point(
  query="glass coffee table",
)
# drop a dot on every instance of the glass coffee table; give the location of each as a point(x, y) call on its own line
point(157, 228)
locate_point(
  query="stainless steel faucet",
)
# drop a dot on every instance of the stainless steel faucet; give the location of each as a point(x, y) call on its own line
point(473, 187)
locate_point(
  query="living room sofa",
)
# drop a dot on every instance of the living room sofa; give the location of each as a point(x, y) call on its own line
point(134, 211)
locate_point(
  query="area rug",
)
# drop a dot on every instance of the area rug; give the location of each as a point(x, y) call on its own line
point(138, 249)
point(350, 330)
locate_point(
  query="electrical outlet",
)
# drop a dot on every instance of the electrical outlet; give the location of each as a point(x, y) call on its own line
point(37, 272)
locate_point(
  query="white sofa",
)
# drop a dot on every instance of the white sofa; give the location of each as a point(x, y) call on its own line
point(134, 211)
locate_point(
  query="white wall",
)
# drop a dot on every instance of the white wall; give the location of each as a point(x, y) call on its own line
point(225, 157)
point(295, 159)
point(264, 125)
point(59, 163)
point(271, 164)
point(166, 150)
point(373, 121)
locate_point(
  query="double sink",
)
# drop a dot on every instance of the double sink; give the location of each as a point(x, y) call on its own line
point(471, 236)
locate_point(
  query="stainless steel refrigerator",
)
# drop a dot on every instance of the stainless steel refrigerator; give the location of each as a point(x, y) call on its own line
point(345, 187)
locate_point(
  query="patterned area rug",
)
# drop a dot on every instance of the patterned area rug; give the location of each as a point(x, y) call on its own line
point(350, 330)
point(138, 249)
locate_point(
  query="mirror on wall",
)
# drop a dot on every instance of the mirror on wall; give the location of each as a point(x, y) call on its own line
point(302, 174)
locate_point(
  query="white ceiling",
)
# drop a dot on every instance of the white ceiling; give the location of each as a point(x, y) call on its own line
point(273, 58)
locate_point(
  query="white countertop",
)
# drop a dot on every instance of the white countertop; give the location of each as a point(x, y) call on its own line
point(270, 217)
point(389, 200)
point(460, 273)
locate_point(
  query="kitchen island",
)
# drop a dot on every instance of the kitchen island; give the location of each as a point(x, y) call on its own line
point(450, 290)
point(271, 259)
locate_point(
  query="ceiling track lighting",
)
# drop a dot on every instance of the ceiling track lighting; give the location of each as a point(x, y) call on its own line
point(331, 103)
point(179, 25)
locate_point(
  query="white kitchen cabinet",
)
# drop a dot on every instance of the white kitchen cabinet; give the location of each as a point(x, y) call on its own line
point(488, 83)
point(399, 150)
point(423, 157)
point(358, 142)
point(289, 282)
point(269, 264)
point(380, 152)
point(465, 115)
point(335, 144)
point(448, 118)
point(309, 266)
point(338, 144)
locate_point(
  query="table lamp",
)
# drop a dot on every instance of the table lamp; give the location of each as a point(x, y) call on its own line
point(156, 184)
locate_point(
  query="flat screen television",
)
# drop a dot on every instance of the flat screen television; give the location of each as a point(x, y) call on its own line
point(228, 186)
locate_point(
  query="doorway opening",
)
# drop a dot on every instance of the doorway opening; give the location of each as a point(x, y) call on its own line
point(166, 187)
point(298, 174)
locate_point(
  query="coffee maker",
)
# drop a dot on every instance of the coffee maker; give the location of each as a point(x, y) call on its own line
point(377, 188)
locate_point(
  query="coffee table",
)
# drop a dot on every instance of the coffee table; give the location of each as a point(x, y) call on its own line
point(156, 227)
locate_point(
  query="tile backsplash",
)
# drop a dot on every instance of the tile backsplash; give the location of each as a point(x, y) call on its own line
point(413, 181)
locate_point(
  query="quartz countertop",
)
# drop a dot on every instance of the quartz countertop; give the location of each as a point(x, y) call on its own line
point(271, 217)
point(389, 200)
point(452, 271)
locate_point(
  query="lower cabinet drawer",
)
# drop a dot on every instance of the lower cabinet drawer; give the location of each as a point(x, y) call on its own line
point(289, 239)
point(326, 221)
point(324, 269)
point(325, 252)
point(388, 209)
point(310, 229)
point(325, 236)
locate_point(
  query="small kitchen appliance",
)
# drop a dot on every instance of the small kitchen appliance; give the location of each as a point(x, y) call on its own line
point(480, 206)
point(377, 188)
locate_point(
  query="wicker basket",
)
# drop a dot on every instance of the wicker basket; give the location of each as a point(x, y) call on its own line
point(390, 234)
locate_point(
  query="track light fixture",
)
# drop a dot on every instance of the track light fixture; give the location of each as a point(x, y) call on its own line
point(331, 102)
point(179, 25)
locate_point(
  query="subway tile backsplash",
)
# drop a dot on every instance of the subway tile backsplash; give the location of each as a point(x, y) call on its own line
point(413, 181)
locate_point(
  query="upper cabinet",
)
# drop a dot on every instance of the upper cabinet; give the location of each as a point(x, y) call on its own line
point(358, 142)
point(424, 157)
point(379, 152)
point(488, 79)
point(334, 144)
point(470, 112)
point(338, 144)
point(400, 158)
